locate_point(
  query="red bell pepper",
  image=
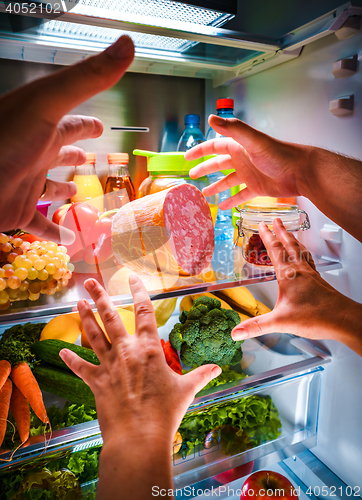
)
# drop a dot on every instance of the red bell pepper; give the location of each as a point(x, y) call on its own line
point(171, 356)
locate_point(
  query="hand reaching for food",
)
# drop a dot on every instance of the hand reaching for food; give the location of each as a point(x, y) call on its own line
point(140, 400)
point(270, 167)
point(35, 136)
point(307, 305)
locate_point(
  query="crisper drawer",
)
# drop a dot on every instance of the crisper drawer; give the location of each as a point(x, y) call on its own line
point(223, 437)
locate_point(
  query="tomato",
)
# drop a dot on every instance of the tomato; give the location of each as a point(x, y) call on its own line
point(92, 234)
point(101, 249)
point(81, 219)
point(60, 212)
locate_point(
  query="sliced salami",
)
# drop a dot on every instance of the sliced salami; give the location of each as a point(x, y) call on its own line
point(168, 231)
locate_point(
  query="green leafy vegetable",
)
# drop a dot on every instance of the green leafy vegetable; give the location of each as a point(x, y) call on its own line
point(256, 416)
point(16, 341)
point(83, 464)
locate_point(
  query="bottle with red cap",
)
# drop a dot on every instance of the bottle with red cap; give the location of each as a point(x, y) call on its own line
point(225, 109)
point(119, 188)
point(224, 230)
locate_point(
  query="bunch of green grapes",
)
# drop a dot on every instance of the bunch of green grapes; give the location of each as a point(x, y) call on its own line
point(29, 269)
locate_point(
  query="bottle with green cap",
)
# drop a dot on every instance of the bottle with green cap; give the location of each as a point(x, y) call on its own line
point(171, 169)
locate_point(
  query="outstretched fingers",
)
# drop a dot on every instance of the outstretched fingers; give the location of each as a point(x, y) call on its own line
point(86, 371)
point(254, 327)
point(107, 312)
point(198, 378)
point(146, 325)
point(43, 227)
point(94, 333)
point(56, 94)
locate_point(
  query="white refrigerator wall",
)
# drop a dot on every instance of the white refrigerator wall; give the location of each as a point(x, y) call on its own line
point(291, 102)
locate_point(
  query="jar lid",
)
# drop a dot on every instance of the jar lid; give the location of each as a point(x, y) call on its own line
point(169, 162)
point(118, 158)
point(253, 215)
point(91, 158)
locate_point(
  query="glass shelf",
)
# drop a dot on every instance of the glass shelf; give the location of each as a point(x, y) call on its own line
point(228, 270)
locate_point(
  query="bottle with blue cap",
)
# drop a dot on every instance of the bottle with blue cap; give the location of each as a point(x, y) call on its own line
point(192, 134)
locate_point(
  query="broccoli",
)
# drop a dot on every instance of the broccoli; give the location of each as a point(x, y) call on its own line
point(203, 334)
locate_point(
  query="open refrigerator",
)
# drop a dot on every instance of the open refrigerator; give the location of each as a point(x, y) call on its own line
point(279, 62)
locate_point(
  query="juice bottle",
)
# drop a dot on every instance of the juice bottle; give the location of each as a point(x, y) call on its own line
point(89, 188)
point(119, 188)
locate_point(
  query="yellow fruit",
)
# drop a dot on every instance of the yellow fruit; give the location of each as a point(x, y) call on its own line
point(76, 318)
point(163, 310)
point(186, 303)
point(127, 317)
point(177, 442)
point(61, 327)
point(240, 298)
point(262, 308)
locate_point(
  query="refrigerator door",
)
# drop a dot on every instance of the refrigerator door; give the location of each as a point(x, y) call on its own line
point(291, 102)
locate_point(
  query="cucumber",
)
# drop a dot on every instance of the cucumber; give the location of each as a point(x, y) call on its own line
point(48, 351)
point(64, 384)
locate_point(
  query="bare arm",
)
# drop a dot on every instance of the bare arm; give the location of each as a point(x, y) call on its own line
point(35, 136)
point(270, 167)
point(307, 305)
point(140, 400)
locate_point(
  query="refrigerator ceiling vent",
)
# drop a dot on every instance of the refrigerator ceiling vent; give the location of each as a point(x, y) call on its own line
point(110, 35)
point(159, 9)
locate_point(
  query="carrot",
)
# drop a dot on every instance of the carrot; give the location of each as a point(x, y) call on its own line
point(5, 369)
point(19, 407)
point(5, 396)
point(25, 381)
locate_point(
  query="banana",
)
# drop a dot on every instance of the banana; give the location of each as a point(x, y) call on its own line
point(240, 299)
point(262, 308)
point(163, 310)
point(186, 303)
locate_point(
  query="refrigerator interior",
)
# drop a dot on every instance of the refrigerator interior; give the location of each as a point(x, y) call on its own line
point(291, 102)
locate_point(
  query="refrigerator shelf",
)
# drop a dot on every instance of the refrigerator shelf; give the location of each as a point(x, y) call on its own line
point(282, 371)
point(233, 272)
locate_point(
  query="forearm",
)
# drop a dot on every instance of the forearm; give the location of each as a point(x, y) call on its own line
point(334, 184)
point(349, 325)
point(134, 468)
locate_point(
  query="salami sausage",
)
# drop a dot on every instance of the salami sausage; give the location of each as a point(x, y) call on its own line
point(168, 231)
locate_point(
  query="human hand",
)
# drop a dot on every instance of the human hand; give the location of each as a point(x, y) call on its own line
point(267, 166)
point(137, 394)
point(35, 137)
point(307, 305)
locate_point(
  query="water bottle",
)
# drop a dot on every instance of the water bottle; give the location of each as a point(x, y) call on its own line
point(224, 230)
point(192, 134)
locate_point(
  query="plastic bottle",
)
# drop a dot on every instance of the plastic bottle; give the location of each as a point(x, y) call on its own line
point(192, 134)
point(223, 228)
point(223, 259)
point(89, 187)
point(118, 182)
